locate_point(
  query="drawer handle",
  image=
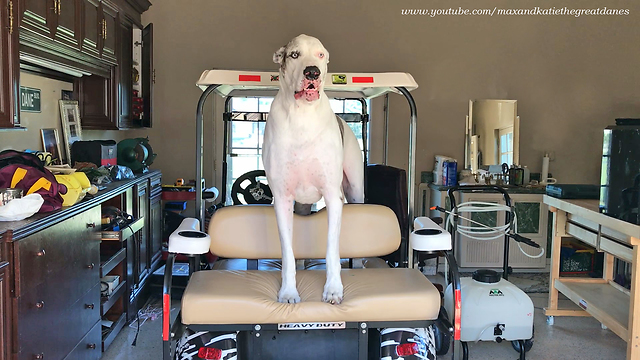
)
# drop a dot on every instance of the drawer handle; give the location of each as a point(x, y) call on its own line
point(40, 304)
point(38, 356)
point(91, 225)
point(88, 306)
point(91, 346)
point(91, 266)
point(41, 253)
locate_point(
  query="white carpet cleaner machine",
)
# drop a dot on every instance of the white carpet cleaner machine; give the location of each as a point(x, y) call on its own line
point(492, 308)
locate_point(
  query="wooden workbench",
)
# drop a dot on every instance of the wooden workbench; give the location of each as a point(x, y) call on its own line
point(613, 305)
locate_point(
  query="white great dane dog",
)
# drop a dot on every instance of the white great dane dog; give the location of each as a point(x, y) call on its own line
point(309, 153)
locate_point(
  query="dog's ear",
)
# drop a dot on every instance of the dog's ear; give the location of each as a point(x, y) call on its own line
point(278, 56)
point(326, 54)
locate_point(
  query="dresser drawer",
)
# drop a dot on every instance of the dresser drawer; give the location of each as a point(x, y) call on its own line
point(58, 248)
point(63, 287)
point(90, 347)
point(53, 333)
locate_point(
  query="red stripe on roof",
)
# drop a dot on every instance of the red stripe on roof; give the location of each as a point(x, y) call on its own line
point(248, 77)
point(362, 79)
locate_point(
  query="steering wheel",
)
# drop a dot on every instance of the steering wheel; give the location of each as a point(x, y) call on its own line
point(253, 190)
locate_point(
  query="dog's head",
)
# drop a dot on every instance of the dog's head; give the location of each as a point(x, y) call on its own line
point(303, 68)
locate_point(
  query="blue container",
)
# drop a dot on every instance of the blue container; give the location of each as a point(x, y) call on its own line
point(450, 173)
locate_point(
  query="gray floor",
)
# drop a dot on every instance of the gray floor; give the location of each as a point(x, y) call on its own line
point(578, 338)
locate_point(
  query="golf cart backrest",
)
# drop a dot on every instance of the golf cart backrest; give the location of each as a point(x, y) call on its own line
point(251, 232)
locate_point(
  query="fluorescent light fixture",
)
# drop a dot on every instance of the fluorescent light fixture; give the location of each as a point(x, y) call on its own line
point(52, 65)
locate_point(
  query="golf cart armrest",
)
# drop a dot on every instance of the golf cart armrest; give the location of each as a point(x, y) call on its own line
point(188, 239)
point(428, 236)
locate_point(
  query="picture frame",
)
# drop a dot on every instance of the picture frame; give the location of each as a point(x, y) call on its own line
point(66, 95)
point(71, 127)
point(51, 144)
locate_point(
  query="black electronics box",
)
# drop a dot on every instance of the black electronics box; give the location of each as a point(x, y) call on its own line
point(620, 175)
point(574, 191)
point(98, 152)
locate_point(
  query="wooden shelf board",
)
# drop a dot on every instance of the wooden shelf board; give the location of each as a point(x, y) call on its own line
point(607, 304)
point(108, 338)
point(106, 304)
point(113, 261)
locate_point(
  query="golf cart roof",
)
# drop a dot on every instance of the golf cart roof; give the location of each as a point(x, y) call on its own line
point(358, 85)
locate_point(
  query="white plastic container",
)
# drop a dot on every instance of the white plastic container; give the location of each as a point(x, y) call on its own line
point(490, 306)
point(438, 168)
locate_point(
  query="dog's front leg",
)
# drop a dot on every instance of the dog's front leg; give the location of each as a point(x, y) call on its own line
point(284, 216)
point(333, 291)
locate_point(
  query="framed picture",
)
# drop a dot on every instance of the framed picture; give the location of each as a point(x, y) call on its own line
point(66, 94)
point(71, 128)
point(51, 144)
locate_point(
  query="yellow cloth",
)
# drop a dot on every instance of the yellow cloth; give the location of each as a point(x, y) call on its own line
point(77, 185)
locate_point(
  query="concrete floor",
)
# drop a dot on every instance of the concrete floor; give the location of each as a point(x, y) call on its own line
point(578, 338)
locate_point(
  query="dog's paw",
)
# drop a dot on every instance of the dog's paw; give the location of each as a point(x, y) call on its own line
point(333, 292)
point(288, 296)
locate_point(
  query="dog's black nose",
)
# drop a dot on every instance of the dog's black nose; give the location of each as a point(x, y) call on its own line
point(311, 72)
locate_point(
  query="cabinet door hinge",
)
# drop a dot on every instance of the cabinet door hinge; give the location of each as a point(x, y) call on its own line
point(154, 76)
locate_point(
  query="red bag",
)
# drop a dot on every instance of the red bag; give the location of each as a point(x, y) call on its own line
point(32, 178)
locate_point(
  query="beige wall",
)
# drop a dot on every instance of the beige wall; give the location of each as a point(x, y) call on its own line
point(49, 117)
point(571, 76)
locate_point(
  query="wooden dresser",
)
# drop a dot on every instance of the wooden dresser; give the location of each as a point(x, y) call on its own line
point(50, 269)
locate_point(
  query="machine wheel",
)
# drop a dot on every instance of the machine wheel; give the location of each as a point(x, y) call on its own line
point(442, 339)
point(528, 344)
point(252, 188)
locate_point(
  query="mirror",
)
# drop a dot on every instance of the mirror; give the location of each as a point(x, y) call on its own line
point(492, 134)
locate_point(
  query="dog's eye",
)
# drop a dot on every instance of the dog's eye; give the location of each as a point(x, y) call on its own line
point(321, 55)
point(294, 55)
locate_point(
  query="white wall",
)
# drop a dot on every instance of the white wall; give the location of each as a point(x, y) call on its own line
point(571, 76)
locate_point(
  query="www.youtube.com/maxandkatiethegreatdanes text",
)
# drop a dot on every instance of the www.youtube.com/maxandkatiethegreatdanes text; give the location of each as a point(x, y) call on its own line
point(553, 11)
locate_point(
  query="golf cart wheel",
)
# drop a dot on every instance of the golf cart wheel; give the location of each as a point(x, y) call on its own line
point(528, 344)
point(442, 339)
point(253, 187)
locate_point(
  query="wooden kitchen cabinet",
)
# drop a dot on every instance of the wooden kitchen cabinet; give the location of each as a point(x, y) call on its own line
point(52, 287)
point(55, 19)
point(91, 27)
point(96, 102)
point(148, 75)
point(67, 23)
point(96, 37)
point(155, 220)
point(99, 30)
point(110, 27)
point(38, 16)
point(5, 309)
point(107, 103)
point(124, 77)
point(142, 255)
point(9, 64)
point(52, 283)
